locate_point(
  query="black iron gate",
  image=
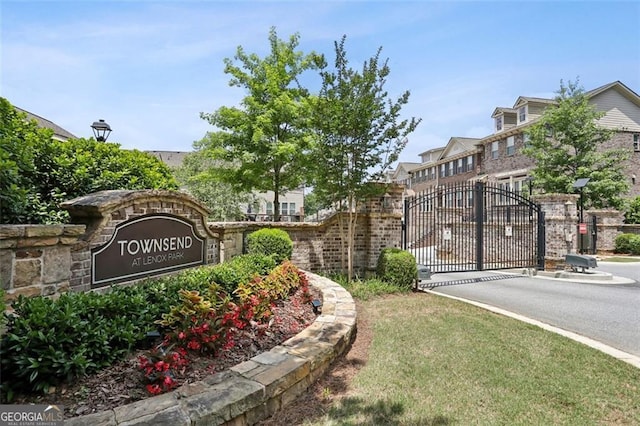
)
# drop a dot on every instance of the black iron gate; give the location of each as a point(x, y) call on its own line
point(473, 227)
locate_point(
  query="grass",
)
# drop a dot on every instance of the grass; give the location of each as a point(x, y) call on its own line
point(436, 361)
point(621, 259)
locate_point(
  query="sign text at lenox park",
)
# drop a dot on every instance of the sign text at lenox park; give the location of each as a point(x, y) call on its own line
point(146, 246)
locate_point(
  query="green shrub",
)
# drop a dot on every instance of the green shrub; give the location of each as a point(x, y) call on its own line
point(48, 341)
point(38, 172)
point(632, 213)
point(627, 243)
point(397, 267)
point(271, 242)
point(635, 245)
point(241, 269)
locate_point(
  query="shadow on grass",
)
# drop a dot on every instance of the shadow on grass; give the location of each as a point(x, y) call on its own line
point(355, 411)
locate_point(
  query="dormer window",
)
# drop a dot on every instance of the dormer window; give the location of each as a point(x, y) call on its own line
point(522, 114)
point(498, 123)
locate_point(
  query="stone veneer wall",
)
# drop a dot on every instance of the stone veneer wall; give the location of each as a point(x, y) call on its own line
point(608, 223)
point(100, 212)
point(561, 216)
point(317, 246)
point(35, 260)
point(255, 389)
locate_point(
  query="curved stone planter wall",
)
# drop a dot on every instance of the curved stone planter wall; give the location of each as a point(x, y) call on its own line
point(255, 389)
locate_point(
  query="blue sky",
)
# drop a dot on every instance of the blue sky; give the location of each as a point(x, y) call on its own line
point(150, 67)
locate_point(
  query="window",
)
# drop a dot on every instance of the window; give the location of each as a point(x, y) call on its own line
point(451, 169)
point(460, 167)
point(433, 173)
point(470, 163)
point(526, 139)
point(283, 208)
point(498, 123)
point(443, 170)
point(511, 146)
point(460, 199)
point(292, 208)
point(494, 150)
point(269, 207)
point(636, 142)
point(522, 114)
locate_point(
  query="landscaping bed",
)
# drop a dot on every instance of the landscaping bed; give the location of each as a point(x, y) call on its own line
point(123, 382)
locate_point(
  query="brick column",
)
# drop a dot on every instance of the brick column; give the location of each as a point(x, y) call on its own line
point(561, 216)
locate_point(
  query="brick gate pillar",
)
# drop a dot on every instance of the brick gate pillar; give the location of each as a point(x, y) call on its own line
point(561, 216)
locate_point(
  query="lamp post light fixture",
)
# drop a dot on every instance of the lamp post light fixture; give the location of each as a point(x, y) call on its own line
point(580, 184)
point(101, 130)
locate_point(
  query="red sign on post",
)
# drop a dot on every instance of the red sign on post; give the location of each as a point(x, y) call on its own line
point(582, 228)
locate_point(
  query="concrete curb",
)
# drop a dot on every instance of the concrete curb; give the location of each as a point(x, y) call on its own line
point(592, 277)
point(618, 354)
point(255, 389)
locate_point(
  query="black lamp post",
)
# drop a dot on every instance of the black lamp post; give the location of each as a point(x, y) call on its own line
point(101, 130)
point(529, 180)
point(580, 184)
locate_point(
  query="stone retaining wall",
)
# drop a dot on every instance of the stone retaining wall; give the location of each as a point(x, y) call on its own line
point(255, 389)
point(35, 260)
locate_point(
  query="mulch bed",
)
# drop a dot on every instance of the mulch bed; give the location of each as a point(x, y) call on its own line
point(124, 382)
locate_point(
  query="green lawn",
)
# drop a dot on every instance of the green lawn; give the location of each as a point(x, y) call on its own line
point(436, 361)
point(621, 259)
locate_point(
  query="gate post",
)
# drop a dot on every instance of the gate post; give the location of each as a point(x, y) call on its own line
point(560, 214)
point(478, 201)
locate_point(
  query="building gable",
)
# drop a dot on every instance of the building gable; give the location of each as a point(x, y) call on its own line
point(620, 105)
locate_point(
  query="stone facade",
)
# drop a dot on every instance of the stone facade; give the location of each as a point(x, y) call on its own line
point(561, 216)
point(35, 260)
point(318, 246)
point(102, 211)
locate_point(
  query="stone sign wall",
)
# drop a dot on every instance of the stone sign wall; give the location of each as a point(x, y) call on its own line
point(137, 234)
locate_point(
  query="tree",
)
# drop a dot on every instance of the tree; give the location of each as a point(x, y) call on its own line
point(222, 201)
point(360, 135)
point(268, 140)
point(632, 212)
point(37, 172)
point(18, 138)
point(568, 144)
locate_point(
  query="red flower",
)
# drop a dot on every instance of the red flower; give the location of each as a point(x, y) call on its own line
point(181, 335)
point(154, 389)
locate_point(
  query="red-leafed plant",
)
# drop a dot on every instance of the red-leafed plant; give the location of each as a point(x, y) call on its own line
point(160, 367)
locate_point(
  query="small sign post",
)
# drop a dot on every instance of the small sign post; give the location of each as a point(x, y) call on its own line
point(582, 228)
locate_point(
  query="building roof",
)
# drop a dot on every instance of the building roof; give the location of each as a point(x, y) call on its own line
point(620, 87)
point(170, 158)
point(58, 132)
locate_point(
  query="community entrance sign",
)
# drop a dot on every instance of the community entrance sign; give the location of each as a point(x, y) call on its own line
point(146, 246)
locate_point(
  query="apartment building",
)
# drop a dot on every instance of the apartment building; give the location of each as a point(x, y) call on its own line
point(498, 157)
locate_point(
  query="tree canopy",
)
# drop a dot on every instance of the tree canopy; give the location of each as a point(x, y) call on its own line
point(360, 134)
point(195, 175)
point(265, 143)
point(567, 144)
point(38, 172)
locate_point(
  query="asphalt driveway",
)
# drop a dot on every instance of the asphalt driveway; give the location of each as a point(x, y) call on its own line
point(608, 313)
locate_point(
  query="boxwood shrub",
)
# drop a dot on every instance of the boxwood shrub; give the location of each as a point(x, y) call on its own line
point(271, 242)
point(241, 269)
point(627, 243)
point(397, 267)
